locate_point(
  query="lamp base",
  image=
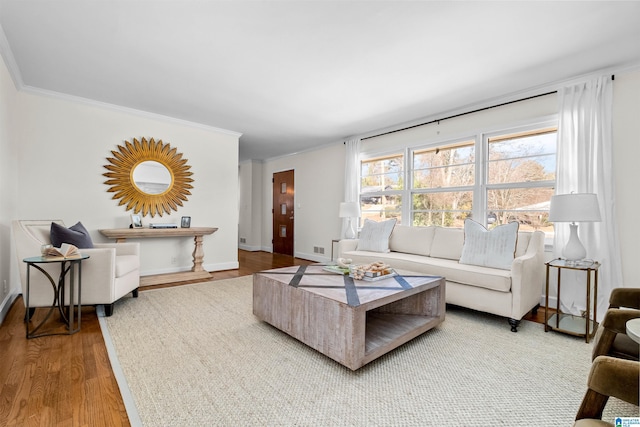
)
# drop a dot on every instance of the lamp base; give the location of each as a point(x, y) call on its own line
point(350, 233)
point(574, 250)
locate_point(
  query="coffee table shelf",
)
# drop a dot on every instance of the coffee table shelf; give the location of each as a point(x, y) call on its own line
point(384, 332)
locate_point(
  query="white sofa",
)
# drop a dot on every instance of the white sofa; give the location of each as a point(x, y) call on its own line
point(437, 250)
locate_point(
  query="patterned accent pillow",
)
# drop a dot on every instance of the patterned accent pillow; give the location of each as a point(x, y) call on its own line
point(75, 235)
point(374, 235)
point(495, 248)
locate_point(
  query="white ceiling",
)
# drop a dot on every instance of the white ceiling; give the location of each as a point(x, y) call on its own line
point(292, 75)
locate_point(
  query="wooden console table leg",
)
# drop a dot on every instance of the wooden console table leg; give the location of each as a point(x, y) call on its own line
point(198, 254)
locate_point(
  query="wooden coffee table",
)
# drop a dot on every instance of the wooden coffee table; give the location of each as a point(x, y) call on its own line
point(351, 321)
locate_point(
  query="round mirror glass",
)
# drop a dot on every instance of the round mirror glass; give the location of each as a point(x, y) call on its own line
point(152, 177)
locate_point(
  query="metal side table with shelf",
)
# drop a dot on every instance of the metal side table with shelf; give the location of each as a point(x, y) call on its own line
point(68, 266)
point(581, 326)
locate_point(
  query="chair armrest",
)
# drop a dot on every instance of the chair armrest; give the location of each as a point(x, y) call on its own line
point(609, 376)
point(616, 377)
point(346, 245)
point(126, 248)
point(527, 278)
point(625, 297)
point(615, 319)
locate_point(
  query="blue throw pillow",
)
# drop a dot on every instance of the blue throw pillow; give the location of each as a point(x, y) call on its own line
point(75, 235)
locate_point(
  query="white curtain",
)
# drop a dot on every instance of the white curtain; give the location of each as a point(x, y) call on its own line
point(585, 165)
point(351, 178)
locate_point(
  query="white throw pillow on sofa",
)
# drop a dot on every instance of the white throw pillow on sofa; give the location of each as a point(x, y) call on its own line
point(374, 236)
point(489, 248)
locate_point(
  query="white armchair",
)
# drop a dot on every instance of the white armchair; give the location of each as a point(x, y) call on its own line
point(112, 271)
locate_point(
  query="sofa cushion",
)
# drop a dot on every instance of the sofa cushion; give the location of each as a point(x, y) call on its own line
point(451, 270)
point(374, 236)
point(411, 240)
point(75, 235)
point(447, 243)
point(489, 248)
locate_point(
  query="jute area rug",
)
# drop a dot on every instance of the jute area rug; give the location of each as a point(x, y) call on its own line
point(196, 356)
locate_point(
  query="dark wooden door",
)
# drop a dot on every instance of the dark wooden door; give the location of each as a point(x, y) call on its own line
point(283, 192)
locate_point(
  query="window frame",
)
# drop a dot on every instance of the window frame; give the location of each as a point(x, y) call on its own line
point(481, 186)
point(400, 192)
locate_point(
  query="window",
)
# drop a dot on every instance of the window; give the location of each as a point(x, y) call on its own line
point(521, 178)
point(381, 185)
point(443, 181)
point(494, 178)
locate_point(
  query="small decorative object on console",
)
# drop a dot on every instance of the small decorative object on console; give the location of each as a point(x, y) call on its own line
point(163, 225)
point(136, 221)
point(185, 222)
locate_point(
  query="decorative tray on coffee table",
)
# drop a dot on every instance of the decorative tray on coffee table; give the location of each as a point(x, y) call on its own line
point(375, 278)
point(371, 272)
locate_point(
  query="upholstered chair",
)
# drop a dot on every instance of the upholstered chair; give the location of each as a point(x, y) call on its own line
point(112, 271)
point(609, 376)
point(611, 338)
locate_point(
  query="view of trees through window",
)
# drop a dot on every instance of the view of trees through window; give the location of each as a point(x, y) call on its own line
point(443, 181)
point(381, 185)
point(510, 177)
point(521, 176)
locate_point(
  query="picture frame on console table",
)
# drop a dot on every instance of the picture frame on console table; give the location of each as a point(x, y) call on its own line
point(185, 222)
point(136, 221)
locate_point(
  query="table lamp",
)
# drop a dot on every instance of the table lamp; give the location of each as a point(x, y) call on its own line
point(350, 210)
point(574, 208)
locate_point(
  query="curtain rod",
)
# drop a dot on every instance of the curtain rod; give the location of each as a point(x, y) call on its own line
point(458, 115)
point(613, 77)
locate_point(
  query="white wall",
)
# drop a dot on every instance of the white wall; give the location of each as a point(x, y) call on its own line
point(319, 182)
point(8, 169)
point(250, 202)
point(62, 148)
point(626, 154)
point(464, 126)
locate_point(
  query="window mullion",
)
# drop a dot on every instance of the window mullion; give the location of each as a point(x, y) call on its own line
point(407, 200)
point(480, 190)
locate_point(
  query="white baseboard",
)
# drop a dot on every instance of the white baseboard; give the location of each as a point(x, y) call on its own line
point(250, 248)
point(552, 301)
point(209, 267)
point(222, 266)
point(312, 257)
point(6, 306)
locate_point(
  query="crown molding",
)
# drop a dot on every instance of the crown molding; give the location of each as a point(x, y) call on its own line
point(10, 60)
point(126, 110)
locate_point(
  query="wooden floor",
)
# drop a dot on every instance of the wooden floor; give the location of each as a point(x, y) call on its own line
point(67, 380)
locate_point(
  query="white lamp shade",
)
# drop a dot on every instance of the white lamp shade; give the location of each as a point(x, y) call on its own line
point(349, 210)
point(574, 208)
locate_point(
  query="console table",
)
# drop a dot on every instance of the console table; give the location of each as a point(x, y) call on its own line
point(197, 271)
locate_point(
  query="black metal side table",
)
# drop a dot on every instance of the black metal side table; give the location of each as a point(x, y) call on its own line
point(70, 267)
point(582, 326)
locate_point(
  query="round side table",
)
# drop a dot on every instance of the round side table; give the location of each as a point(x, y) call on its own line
point(633, 329)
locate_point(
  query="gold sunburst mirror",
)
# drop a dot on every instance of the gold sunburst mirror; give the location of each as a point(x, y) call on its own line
point(148, 177)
